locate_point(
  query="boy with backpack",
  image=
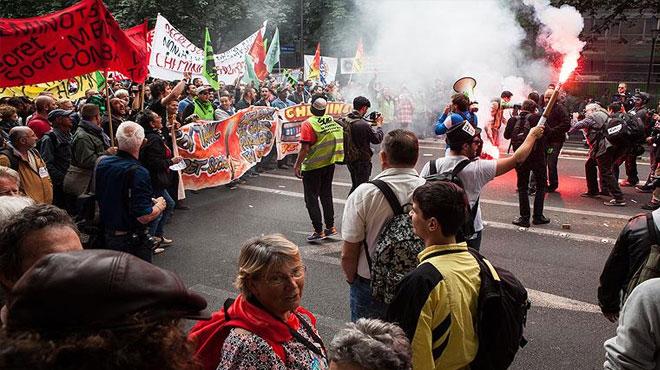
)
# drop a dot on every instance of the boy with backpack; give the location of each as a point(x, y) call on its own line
point(465, 143)
point(379, 245)
point(517, 129)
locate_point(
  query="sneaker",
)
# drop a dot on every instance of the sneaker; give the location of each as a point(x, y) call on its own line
point(651, 206)
point(626, 183)
point(231, 186)
point(615, 202)
point(590, 195)
point(158, 250)
point(540, 220)
point(644, 189)
point(521, 221)
point(330, 232)
point(163, 241)
point(316, 236)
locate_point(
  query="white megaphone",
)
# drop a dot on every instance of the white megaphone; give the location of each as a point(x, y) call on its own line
point(466, 86)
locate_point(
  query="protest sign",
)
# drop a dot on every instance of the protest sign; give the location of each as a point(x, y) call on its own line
point(231, 63)
point(288, 129)
point(172, 53)
point(328, 68)
point(77, 40)
point(217, 152)
point(72, 88)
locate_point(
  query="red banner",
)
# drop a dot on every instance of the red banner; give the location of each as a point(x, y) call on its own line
point(217, 152)
point(139, 37)
point(77, 40)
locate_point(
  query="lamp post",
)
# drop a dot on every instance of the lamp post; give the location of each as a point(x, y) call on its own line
point(653, 41)
point(302, 43)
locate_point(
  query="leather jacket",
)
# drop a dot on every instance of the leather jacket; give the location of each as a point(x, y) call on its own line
point(631, 250)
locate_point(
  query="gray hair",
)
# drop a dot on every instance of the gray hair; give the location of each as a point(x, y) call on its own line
point(10, 173)
point(121, 93)
point(129, 136)
point(261, 254)
point(372, 344)
point(12, 205)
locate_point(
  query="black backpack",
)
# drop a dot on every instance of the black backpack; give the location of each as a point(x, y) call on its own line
point(501, 316)
point(467, 230)
point(351, 151)
point(520, 131)
point(651, 267)
point(396, 249)
point(624, 129)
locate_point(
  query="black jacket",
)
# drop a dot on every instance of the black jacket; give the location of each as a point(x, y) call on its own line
point(362, 136)
point(537, 156)
point(55, 150)
point(631, 250)
point(558, 124)
point(153, 157)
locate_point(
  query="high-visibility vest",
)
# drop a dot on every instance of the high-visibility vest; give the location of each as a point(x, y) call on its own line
point(329, 146)
point(204, 110)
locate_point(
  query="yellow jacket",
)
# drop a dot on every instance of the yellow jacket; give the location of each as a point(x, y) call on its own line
point(36, 184)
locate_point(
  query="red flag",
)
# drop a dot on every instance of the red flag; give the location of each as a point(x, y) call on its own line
point(80, 39)
point(315, 68)
point(138, 35)
point(259, 57)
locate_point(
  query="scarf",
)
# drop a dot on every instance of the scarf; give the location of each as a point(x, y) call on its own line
point(96, 131)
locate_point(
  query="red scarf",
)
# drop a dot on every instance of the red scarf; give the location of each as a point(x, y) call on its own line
point(209, 336)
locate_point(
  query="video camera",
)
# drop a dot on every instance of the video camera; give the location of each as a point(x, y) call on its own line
point(373, 116)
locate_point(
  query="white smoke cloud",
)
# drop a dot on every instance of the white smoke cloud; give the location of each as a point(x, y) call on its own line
point(561, 27)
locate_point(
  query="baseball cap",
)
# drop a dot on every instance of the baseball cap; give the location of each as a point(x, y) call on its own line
point(98, 289)
point(318, 106)
point(52, 115)
point(204, 88)
point(462, 133)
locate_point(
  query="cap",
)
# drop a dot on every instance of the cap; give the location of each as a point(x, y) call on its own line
point(52, 115)
point(203, 88)
point(98, 289)
point(462, 133)
point(318, 106)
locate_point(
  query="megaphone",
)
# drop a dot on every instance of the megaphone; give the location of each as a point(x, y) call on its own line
point(465, 86)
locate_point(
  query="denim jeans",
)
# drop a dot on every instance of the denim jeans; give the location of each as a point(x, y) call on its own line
point(156, 226)
point(363, 304)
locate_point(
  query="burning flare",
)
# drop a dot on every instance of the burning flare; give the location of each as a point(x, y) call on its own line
point(569, 65)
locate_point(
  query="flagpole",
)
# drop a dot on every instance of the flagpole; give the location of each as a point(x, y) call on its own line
point(107, 98)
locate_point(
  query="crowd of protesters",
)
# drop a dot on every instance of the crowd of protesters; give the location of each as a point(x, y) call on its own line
point(115, 147)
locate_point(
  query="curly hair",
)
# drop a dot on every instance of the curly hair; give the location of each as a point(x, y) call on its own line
point(6, 112)
point(372, 344)
point(145, 345)
point(18, 227)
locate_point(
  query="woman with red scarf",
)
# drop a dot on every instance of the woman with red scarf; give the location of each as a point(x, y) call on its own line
point(265, 327)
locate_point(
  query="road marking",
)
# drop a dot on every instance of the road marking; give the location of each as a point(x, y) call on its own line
point(486, 201)
point(222, 295)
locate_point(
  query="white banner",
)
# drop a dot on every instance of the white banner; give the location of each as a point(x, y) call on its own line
point(328, 67)
point(369, 65)
point(231, 63)
point(172, 53)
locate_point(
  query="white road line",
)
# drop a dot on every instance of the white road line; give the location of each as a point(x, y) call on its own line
point(486, 201)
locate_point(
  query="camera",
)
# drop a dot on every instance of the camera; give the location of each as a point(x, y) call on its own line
point(191, 118)
point(373, 116)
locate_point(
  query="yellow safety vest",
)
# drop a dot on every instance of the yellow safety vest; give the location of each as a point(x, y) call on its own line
point(329, 146)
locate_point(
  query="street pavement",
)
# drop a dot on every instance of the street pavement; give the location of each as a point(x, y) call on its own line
point(558, 263)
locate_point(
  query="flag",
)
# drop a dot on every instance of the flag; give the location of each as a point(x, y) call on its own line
point(138, 35)
point(80, 39)
point(273, 55)
point(209, 72)
point(250, 76)
point(359, 56)
point(289, 77)
point(100, 81)
point(315, 68)
point(258, 57)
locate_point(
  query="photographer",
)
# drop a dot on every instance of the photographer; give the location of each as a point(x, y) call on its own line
point(357, 144)
point(654, 141)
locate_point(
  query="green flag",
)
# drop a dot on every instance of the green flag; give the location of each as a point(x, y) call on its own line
point(209, 71)
point(250, 75)
point(273, 55)
point(100, 81)
point(289, 77)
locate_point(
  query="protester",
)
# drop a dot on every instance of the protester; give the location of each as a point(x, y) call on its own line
point(495, 121)
point(135, 324)
point(118, 114)
point(404, 109)
point(301, 95)
point(637, 340)
point(21, 156)
point(556, 127)
point(190, 92)
point(465, 143)
point(370, 345)
point(357, 152)
point(623, 97)
point(460, 111)
point(225, 110)
point(28, 235)
point(264, 327)
point(266, 97)
point(367, 211)
point(55, 149)
point(282, 100)
point(517, 129)
point(65, 104)
point(8, 119)
point(156, 157)
point(201, 106)
point(436, 303)
point(654, 140)
point(124, 194)
point(10, 182)
point(162, 94)
point(248, 98)
point(89, 142)
point(385, 102)
point(39, 121)
point(642, 113)
point(322, 142)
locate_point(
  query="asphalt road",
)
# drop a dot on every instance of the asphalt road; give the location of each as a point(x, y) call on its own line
point(559, 265)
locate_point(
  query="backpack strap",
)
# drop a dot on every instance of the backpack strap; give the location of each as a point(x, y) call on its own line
point(389, 196)
point(460, 166)
point(652, 229)
point(433, 169)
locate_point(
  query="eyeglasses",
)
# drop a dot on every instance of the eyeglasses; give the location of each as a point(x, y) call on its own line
point(204, 93)
point(279, 279)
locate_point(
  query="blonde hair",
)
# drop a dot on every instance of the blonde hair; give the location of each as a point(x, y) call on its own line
point(260, 255)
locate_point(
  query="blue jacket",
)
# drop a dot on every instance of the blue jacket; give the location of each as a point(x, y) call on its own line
point(456, 118)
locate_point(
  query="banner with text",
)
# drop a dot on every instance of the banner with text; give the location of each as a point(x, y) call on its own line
point(328, 67)
point(291, 118)
point(172, 53)
point(231, 63)
point(216, 152)
point(77, 40)
point(72, 88)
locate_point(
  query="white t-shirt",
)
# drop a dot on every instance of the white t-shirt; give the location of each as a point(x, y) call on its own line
point(366, 210)
point(474, 177)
